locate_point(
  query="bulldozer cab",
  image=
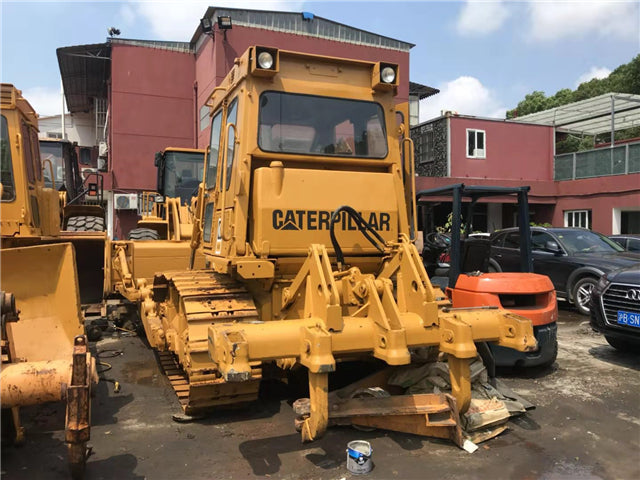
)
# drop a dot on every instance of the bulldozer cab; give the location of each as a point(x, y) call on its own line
point(29, 207)
point(281, 160)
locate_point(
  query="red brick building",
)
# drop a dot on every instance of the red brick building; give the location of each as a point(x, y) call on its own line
point(149, 95)
point(598, 189)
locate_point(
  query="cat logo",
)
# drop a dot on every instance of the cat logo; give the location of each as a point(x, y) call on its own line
point(296, 220)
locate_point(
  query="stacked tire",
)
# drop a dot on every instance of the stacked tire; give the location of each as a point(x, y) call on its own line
point(143, 234)
point(85, 223)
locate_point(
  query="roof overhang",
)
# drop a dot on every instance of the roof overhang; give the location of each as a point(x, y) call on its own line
point(422, 91)
point(85, 72)
point(601, 114)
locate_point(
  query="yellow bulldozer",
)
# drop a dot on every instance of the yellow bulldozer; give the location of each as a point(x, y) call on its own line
point(306, 217)
point(45, 355)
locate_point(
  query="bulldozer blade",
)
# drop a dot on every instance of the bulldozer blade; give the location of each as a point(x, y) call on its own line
point(44, 282)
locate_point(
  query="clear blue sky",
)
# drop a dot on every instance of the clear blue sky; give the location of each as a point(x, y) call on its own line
point(484, 56)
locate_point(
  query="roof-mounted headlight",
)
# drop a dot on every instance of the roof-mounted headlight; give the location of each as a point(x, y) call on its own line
point(264, 61)
point(384, 76)
point(388, 75)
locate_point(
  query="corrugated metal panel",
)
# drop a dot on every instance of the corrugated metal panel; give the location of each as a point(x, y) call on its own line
point(292, 22)
point(184, 47)
point(85, 71)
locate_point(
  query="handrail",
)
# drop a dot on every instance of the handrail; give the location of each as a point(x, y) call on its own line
point(53, 178)
point(414, 216)
point(176, 217)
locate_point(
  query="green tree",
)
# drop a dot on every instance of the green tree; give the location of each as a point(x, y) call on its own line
point(624, 79)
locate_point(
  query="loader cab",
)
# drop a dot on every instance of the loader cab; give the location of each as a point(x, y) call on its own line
point(63, 158)
point(180, 171)
point(29, 208)
point(295, 137)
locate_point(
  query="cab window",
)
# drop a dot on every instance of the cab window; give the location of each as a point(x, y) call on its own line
point(315, 125)
point(6, 168)
point(214, 150)
point(27, 153)
point(232, 117)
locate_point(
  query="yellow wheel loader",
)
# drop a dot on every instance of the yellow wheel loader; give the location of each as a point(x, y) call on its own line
point(305, 218)
point(45, 355)
point(167, 213)
point(167, 220)
point(81, 194)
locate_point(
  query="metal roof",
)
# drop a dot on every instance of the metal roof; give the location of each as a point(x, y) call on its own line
point(293, 22)
point(591, 116)
point(423, 91)
point(85, 72)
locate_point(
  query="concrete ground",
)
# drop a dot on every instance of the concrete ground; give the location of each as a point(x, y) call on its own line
point(586, 426)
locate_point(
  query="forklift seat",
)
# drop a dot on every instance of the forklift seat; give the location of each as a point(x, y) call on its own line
point(475, 255)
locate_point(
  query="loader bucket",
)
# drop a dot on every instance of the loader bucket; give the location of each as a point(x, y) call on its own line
point(44, 282)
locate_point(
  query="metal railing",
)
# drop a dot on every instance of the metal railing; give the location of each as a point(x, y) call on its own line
point(599, 162)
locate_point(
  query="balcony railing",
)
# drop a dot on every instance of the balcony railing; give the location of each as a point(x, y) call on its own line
point(599, 162)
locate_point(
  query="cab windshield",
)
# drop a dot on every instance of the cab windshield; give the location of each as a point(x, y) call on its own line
point(52, 151)
point(183, 174)
point(312, 125)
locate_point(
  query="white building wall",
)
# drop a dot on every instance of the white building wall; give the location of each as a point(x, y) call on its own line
point(79, 127)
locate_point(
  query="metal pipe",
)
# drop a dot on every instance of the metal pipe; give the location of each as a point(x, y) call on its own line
point(64, 132)
point(33, 383)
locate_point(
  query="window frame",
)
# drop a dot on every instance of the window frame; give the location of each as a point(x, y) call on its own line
point(573, 213)
point(484, 143)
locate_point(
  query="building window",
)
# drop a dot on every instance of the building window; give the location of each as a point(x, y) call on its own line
point(476, 144)
point(424, 144)
point(204, 117)
point(577, 218)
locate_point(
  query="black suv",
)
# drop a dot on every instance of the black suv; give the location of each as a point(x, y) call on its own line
point(615, 308)
point(573, 258)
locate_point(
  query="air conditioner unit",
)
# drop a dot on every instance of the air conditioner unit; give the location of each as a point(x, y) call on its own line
point(103, 149)
point(478, 152)
point(126, 201)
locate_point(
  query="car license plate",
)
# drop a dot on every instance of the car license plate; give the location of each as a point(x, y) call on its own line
point(629, 318)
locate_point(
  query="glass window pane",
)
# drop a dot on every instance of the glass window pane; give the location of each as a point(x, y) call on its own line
point(6, 168)
point(182, 175)
point(232, 117)
point(26, 152)
point(480, 139)
point(208, 222)
point(308, 124)
point(214, 150)
point(471, 142)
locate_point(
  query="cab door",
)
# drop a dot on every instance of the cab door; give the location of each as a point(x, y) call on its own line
point(223, 224)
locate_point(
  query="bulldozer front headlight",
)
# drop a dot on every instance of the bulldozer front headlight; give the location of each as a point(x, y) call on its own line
point(265, 60)
point(388, 75)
